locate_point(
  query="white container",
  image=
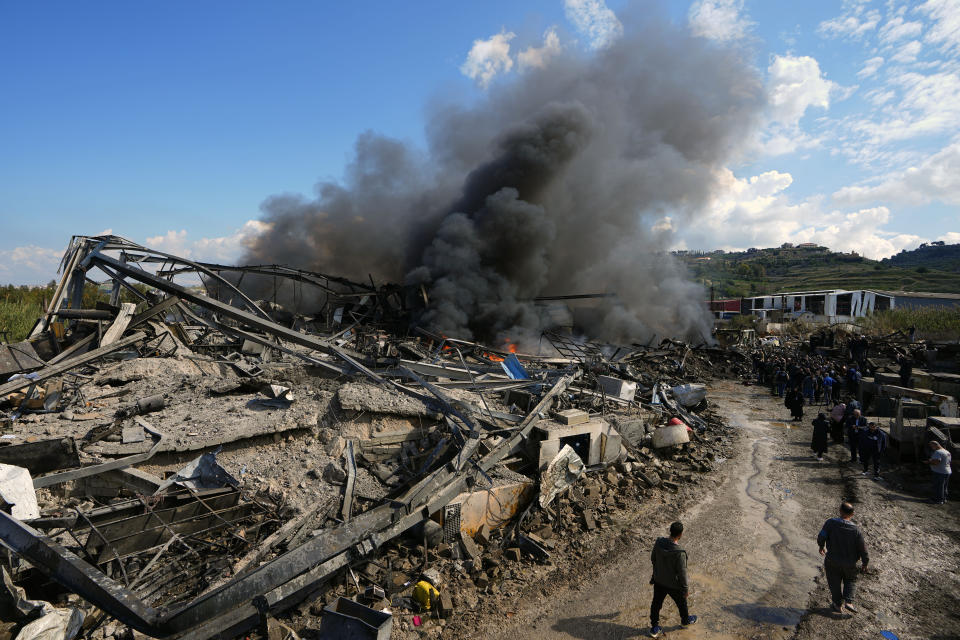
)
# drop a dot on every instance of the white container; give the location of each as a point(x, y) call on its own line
point(670, 436)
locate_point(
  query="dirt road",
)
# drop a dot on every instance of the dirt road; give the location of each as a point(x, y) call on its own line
point(754, 567)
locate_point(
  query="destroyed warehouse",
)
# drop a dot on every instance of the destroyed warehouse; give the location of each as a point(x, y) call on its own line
point(195, 463)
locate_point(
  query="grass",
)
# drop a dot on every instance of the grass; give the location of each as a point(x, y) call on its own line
point(740, 274)
point(17, 318)
point(931, 323)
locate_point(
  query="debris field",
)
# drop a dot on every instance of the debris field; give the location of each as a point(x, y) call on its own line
point(197, 463)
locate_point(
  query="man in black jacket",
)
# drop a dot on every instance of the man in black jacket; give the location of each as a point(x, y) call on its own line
point(669, 578)
point(844, 546)
point(873, 442)
point(856, 424)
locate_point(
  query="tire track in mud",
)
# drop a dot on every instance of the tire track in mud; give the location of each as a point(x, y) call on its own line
point(785, 550)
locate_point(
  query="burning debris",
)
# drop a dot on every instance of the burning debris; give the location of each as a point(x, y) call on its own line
point(205, 462)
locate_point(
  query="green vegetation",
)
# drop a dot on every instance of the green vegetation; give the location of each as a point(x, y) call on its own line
point(17, 318)
point(20, 306)
point(764, 271)
point(935, 255)
point(931, 323)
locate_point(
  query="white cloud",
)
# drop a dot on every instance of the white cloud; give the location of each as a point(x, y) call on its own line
point(907, 53)
point(936, 179)
point(870, 67)
point(756, 212)
point(29, 264)
point(897, 29)
point(225, 249)
point(595, 20)
point(928, 104)
point(855, 22)
point(719, 20)
point(950, 237)
point(794, 85)
point(174, 242)
point(537, 57)
point(945, 30)
point(488, 58)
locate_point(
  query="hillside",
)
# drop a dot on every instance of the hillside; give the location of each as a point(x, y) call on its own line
point(935, 255)
point(760, 271)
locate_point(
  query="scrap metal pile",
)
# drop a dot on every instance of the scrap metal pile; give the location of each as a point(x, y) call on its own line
point(195, 462)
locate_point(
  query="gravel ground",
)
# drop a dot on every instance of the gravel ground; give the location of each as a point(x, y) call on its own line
point(754, 567)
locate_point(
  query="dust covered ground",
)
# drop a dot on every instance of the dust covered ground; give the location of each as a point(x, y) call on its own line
point(754, 567)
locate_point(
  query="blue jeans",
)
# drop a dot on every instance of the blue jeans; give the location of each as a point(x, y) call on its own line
point(780, 388)
point(940, 483)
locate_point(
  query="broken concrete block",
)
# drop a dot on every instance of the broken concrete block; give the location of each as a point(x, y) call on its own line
point(589, 520)
point(513, 554)
point(431, 575)
point(618, 388)
point(335, 447)
point(133, 434)
point(445, 605)
point(573, 416)
point(469, 546)
point(670, 436)
point(334, 473)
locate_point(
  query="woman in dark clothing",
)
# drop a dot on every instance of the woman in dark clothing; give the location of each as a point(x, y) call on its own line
point(794, 402)
point(821, 432)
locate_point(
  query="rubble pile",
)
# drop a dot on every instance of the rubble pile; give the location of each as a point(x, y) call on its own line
point(196, 462)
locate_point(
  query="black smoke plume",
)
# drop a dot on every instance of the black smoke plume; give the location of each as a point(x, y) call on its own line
point(553, 184)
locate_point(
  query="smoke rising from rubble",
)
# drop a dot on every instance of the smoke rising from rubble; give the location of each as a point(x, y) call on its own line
point(551, 185)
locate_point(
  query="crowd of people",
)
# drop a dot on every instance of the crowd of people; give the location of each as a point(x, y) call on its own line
point(811, 380)
point(807, 380)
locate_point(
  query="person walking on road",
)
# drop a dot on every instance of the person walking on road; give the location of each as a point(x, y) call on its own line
point(844, 547)
point(669, 578)
point(794, 402)
point(873, 442)
point(856, 424)
point(780, 379)
point(939, 462)
point(836, 422)
point(821, 436)
point(828, 383)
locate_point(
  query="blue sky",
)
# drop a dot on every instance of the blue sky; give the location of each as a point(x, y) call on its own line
point(170, 123)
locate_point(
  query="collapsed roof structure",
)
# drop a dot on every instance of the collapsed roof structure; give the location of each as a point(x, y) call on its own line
point(206, 553)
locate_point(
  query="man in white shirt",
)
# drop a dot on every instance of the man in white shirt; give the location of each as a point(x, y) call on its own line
point(939, 462)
